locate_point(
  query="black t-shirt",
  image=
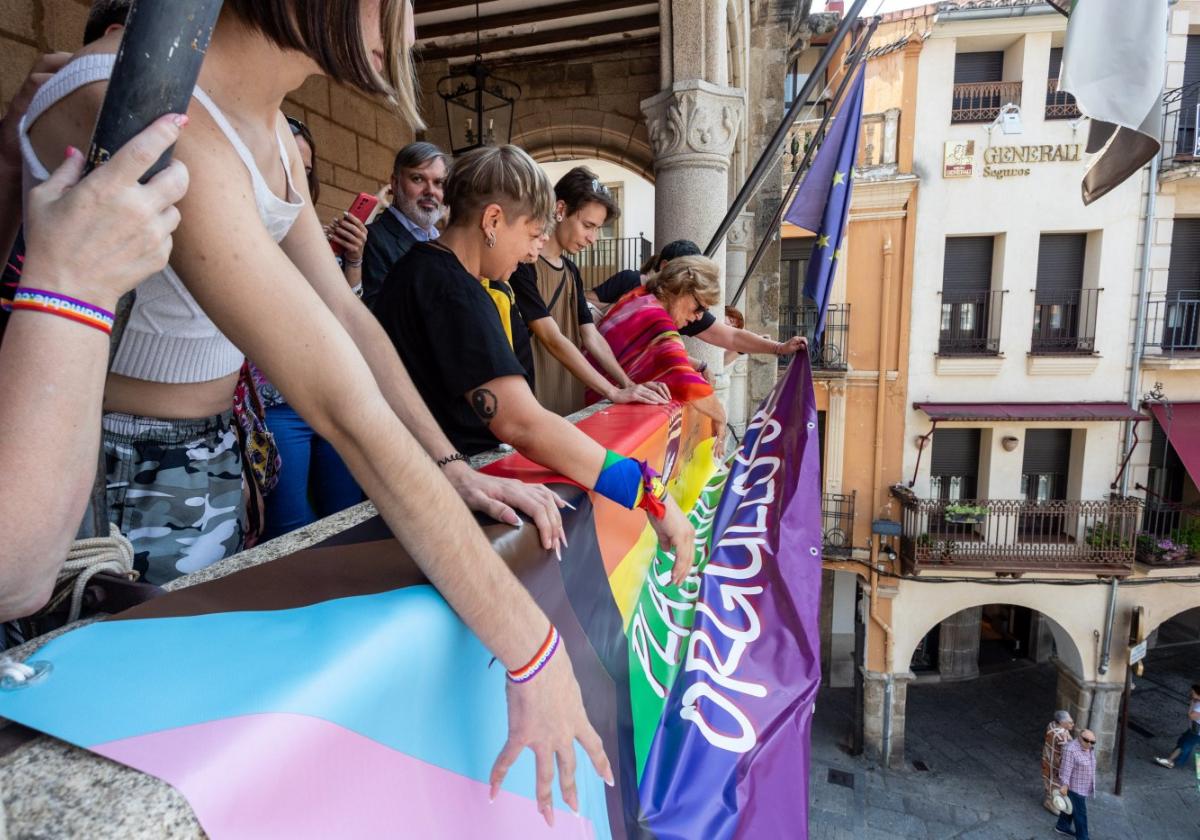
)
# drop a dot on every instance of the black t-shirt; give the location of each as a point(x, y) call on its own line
point(617, 286)
point(449, 336)
point(699, 325)
point(533, 307)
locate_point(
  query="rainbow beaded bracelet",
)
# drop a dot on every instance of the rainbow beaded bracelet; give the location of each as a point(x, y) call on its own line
point(534, 667)
point(73, 309)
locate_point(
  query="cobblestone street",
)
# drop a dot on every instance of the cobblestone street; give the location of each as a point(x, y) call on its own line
point(981, 743)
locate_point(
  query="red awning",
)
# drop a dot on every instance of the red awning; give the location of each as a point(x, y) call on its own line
point(1088, 411)
point(1181, 422)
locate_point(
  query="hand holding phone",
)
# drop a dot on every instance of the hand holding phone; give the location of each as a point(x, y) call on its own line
point(345, 235)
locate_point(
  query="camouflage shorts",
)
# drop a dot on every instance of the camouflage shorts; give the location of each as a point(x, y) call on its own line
point(175, 490)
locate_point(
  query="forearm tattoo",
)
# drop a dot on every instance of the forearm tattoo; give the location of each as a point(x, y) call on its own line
point(485, 405)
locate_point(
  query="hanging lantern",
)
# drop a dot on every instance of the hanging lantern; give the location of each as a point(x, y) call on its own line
point(479, 107)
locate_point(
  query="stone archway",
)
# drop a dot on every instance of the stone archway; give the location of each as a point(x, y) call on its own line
point(1068, 651)
point(585, 133)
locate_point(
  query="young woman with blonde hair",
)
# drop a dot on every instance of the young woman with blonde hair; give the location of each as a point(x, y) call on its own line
point(252, 273)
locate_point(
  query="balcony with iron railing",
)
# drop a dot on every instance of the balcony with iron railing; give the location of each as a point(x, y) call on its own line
point(1170, 529)
point(1064, 323)
point(971, 323)
point(605, 257)
point(829, 355)
point(877, 143)
point(1172, 326)
point(982, 101)
point(1181, 130)
point(837, 523)
point(1015, 536)
point(1060, 105)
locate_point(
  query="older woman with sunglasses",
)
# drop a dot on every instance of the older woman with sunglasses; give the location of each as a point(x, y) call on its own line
point(642, 328)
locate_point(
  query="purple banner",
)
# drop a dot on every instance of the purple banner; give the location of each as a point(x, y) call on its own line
point(730, 758)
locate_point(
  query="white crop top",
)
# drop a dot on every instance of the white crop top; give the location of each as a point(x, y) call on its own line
point(168, 338)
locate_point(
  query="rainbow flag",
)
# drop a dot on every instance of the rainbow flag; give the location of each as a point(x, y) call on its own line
point(333, 693)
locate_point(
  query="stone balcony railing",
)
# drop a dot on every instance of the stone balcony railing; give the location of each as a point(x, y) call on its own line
point(1016, 536)
point(877, 144)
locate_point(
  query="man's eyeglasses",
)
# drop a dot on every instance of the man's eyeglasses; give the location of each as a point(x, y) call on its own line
point(296, 126)
point(1088, 740)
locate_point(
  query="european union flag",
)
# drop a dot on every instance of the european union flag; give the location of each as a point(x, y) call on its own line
point(822, 203)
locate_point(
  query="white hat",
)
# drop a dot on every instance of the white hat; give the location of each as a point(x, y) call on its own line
point(1062, 804)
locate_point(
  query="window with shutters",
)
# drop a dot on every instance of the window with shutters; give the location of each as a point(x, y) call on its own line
point(1181, 315)
point(1166, 483)
point(1064, 313)
point(954, 464)
point(971, 311)
point(798, 314)
point(1059, 105)
point(979, 88)
point(1045, 469)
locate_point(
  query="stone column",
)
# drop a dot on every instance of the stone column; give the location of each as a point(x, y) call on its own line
point(835, 437)
point(693, 127)
point(1093, 705)
point(883, 721)
point(738, 245)
point(958, 645)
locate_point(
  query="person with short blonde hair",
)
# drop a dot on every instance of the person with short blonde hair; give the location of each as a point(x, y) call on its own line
point(438, 308)
point(643, 330)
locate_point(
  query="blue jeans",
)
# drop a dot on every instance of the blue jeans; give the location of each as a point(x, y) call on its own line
point(1186, 744)
point(1078, 816)
point(313, 480)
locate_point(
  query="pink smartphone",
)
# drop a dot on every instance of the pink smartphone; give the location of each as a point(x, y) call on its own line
point(361, 208)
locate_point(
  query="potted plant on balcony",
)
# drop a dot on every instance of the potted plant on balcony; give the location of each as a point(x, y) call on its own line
point(957, 514)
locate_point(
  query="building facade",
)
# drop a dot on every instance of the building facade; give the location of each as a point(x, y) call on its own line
point(1018, 499)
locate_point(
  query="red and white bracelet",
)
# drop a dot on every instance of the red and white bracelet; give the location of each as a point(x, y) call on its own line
point(534, 666)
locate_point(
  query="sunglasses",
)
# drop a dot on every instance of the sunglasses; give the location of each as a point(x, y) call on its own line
point(597, 187)
point(296, 126)
point(1088, 740)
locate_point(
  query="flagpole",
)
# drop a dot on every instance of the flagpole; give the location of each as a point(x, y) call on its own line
point(853, 65)
point(767, 159)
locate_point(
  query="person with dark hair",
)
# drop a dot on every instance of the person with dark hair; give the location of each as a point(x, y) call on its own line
point(708, 328)
point(418, 182)
point(1186, 743)
point(550, 296)
point(103, 16)
point(252, 272)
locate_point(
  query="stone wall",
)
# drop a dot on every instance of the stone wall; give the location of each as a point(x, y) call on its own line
point(570, 107)
point(356, 137)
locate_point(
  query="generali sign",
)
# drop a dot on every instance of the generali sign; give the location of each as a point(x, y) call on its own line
point(1004, 161)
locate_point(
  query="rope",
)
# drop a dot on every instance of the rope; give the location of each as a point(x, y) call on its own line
point(89, 557)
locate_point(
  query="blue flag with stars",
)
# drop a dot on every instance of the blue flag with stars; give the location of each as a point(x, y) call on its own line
point(822, 203)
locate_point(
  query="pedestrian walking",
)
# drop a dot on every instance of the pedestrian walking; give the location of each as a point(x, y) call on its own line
point(1077, 781)
point(1059, 733)
point(1190, 739)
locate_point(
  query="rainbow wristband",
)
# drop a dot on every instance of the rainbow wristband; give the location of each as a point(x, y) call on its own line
point(620, 480)
point(73, 309)
point(535, 665)
point(653, 498)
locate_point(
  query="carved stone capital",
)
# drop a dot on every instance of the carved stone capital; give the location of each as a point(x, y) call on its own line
point(741, 235)
point(694, 123)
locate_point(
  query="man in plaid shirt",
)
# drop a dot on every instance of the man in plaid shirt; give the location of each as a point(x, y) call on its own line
point(1077, 777)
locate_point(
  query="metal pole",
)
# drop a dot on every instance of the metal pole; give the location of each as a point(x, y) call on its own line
point(1134, 632)
point(156, 69)
point(1108, 626)
point(767, 158)
point(852, 68)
